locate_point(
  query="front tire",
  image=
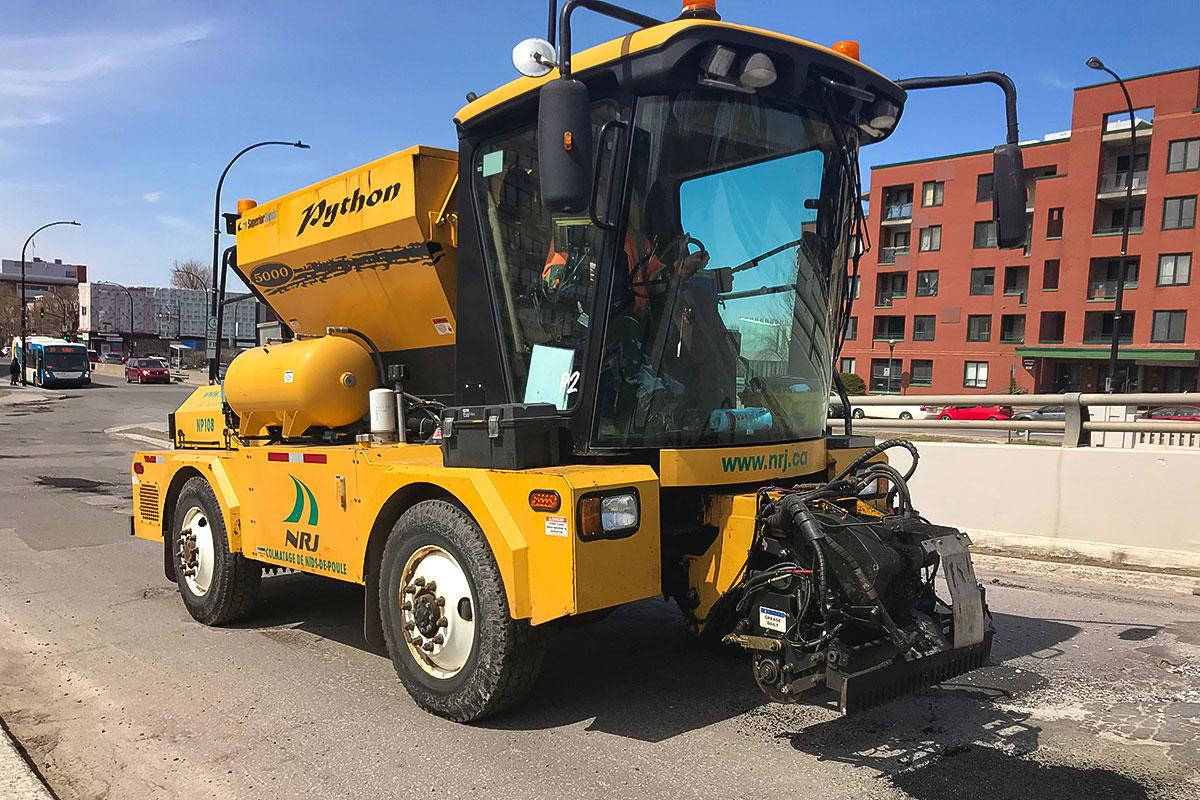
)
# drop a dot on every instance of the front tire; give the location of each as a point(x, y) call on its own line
point(445, 617)
point(217, 586)
point(905, 415)
point(858, 413)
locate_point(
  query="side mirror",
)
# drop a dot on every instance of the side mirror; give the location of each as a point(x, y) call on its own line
point(1008, 195)
point(565, 146)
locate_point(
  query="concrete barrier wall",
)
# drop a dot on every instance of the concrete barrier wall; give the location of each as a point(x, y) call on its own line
point(1127, 506)
point(192, 377)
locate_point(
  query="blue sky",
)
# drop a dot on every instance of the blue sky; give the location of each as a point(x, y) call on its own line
point(122, 114)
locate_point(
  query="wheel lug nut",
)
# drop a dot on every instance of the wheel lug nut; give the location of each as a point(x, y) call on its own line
point(407, 606)
point(427, 647)
point(432, 586)
point(442, 622)
point(408, 626)
point(441, 601)
point(419, 582)
point(417, 640)
point(437, 639)
point(409, 590)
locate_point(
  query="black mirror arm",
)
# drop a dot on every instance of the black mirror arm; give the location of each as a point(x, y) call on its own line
point(600, 7)
point(998, 78)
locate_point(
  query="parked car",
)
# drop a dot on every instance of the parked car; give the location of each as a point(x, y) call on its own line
point(112, 358)
point(887, 412)
point(1173, 413)
point(975, 412)
point(1043, 414)
point(93, 357)
point(147, 370)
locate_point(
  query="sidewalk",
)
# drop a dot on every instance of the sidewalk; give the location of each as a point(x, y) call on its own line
point(18, 781)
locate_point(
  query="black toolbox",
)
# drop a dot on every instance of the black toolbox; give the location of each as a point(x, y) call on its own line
point(512, 436)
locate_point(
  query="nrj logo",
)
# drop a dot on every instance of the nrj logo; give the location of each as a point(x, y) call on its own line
point(305, 501)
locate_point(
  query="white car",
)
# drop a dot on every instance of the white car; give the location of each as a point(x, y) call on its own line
point(865, 411)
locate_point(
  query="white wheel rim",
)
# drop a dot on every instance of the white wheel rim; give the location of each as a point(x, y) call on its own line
point(196, 556)
point(437, 612)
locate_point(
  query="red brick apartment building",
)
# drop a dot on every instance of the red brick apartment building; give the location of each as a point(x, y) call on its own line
point(965, 316)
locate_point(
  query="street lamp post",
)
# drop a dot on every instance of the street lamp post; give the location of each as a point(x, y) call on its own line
point(129, 353)
point(1119, 303)
point(891, 362)
point(24, 332)
point(216, 248)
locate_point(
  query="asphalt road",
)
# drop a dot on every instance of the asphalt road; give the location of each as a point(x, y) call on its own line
point(115, 692)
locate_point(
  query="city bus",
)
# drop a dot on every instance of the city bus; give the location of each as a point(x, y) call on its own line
point(53, 362)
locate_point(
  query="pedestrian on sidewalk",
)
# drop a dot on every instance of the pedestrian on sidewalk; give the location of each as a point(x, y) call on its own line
point(14, 369)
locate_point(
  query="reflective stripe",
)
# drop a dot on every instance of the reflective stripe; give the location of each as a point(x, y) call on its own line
point(298, 458)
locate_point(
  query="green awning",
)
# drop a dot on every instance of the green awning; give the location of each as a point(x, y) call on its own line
point(1101, 353)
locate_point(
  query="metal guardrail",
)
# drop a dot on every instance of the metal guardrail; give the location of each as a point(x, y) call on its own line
point(1075, 404)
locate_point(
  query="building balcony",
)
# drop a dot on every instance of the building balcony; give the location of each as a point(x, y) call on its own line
point(887, 255)
point(897, 213)
point(1102, 290)
point(1114, 230)
point(1112, 184)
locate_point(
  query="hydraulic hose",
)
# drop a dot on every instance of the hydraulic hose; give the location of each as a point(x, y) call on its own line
point(876, 450)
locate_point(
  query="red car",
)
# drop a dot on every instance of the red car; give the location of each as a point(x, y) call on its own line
point(1173, 413)
point(147, 370)
point(976, 412)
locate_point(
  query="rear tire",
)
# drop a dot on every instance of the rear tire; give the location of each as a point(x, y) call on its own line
point(485, 661)
point(858, 413)
point(944, 416)
point(217, 586)
point(993, 419)
point(905, 415)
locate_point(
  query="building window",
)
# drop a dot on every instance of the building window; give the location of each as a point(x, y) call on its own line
point(1179, 212)
point(983, 280)
point(927, 283)
point(1182, 156)
point(889, 327)
point(885, 374)
point(932, 193)
point(1012, 328)
point(856, 285)
point(1174, 269)
point(83, 311)
point(1098, 327)
point(1050, 275)
point(975, 374)
point(1053, 327)
point(846, 366)
point(985, 234)
point(931, 238)
point(1168, 326)
point(923, 327)
point(851, 329)
point(1054, 224)
point(889, 285)
point(979, 328)
point(983, 188)
point(921, 372)
point(895, 243)
point(1016, 281)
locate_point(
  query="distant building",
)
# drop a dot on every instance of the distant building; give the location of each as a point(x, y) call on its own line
point(161, 317)
point(41, 276)
point(965, 315)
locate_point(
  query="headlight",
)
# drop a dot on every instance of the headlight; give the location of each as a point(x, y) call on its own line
point(609, 516)
point(618, 512)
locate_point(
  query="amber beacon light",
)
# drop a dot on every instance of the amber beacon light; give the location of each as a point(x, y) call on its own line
point(848, 48)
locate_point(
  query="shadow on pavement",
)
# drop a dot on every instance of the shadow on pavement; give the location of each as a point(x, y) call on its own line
point(638, 673)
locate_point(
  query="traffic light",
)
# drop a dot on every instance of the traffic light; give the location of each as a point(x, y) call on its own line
point(42, 313)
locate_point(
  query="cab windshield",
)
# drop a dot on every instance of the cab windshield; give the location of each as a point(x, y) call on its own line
point(719, 325)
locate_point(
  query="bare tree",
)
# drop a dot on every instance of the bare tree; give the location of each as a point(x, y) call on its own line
point(190, 274)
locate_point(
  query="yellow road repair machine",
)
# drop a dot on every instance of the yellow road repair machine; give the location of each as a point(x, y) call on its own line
point(582, 361)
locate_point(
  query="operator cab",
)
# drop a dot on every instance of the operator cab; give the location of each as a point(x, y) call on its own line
point(664, 252)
